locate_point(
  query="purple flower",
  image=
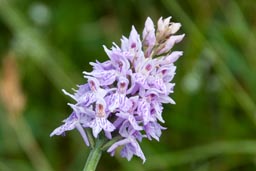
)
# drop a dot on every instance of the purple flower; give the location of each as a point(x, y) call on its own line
point(100, 122)
point(130, 145)
point(124, 96)
point(154, 130)
point(75, 120)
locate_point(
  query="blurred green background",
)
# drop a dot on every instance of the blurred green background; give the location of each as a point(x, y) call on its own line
point(45, 46)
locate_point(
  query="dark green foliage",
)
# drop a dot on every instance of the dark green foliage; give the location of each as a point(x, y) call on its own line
point(212, 126)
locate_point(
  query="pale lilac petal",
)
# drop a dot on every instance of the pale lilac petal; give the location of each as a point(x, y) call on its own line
point(122, 84)
point(70, 124)
point(117, 144)
point(68, 94)
point(114, 102)
point(129, 117)
point(124, 129)
point(106, 125)
point(108, 135)
point(93, 83)
point(144, 111)
point(158, 109)
point(134, 123)
point(167, 99)
point(160, 25)
point(124, 44)
point(140, 79)
point(131, 149)
point(83, 134)
point(96, 128)
point(134, 40)
point(174, 27)
point(105, 77)
point(149, 32)
point(170, 42)
point(153, 130)
point(127, 152)
point(173, 57)
point(107, 65)
point(149, 38)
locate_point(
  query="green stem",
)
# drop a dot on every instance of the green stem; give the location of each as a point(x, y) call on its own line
point(94, 156)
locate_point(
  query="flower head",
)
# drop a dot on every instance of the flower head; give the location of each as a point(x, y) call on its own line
point(124, 95)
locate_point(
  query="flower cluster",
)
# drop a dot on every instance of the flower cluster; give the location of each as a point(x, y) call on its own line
point(124, 95)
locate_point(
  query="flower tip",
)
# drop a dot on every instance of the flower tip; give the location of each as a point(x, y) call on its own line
point(53, 133)
point(143, 160)
point(68, 94)
point(178, 38)
point(174, 56)
point(108, 52)
point(133, 29)
point(174, 27)
point(148, 19)
point(72, 106)
point(149, 22)
point(133, 33)
point(167, 20)
point(160, 19)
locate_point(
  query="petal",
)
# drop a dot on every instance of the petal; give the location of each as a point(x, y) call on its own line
point(123, 130)
point(131, 149)
point(126, 104)
point(82, 89)
point(162, 25)
point(127, 152)
point(144, 111)
point(70, 95)
point(93, 83)
point(96, 128)
point(105, 77)
point(87, 99)
point(173, 57)
point(120, 61)
point(122, 84)
point(123, 115)
point(170, 43)
point(114, 102)
point(158, 109)
point(149, 30)
point(105, 124)
point(134, 40)
point(117, 144)
point(108, 135)
point(124, 44)
point(166, 99)
point(134, 123)
point(154, 130)
point(70, 124)
point(129, 117)
point(139, 78)
point(83, 134)
point(107, 65)
point(174, 27)
point(149, 38)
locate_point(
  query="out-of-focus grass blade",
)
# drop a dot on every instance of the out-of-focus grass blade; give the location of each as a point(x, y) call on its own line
point(196, 154)
point(226, 76)
point(29, 42)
